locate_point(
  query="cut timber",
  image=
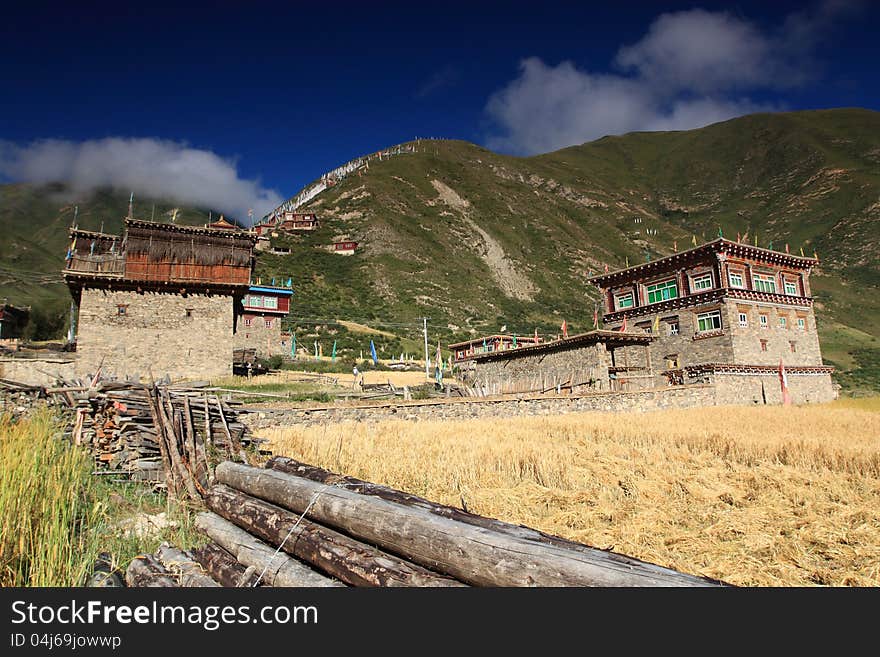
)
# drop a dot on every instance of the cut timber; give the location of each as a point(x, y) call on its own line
point(189, 572)
point(146, 571)
point(294, 467)
point(472, 554)
point(281, 571)
point(351, 561)
point(224, 568)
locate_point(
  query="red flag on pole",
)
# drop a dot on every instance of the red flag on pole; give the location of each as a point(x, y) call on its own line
point(783, 383)
point(564, 329)
point(623, 326)
point(536, 336)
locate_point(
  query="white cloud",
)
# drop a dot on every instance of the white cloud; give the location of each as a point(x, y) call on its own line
point(691, 68)
point(152, 167)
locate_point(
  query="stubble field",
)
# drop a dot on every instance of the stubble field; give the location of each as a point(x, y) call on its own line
point(754, 496)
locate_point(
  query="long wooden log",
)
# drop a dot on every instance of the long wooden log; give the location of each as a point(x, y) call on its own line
point(277, 569)
point(224, 568)
point(171, 443)
point(300, 469)
point(145, 571)
point(346, 559)
point(472, 554)
point(189, 572)
point(170, 479)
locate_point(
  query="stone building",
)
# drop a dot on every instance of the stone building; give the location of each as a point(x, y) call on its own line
point(462, 351)
point(158, 300)
point(724, 313)
point(263, 308)
point(590, 362)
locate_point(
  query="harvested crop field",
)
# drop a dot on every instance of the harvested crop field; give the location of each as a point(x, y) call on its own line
point(765, 496)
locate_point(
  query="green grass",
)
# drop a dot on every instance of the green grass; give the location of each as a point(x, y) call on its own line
point(56, 517)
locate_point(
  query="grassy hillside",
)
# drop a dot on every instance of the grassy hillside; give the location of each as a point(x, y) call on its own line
point(480, 242)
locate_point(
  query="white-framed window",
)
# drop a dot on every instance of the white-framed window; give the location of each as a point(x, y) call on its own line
point(791, 288)
point(268, 322)
point(782, 322)
point(622, 301)
point(802, 323)
point(702, 282)
point(764, 283)
point(247, 321)
point(710, 321)
point(743, 319)
point(736, 280)
point(662, 291)
point(672, 328)
point(270, 302)
point(254, 301)
point(762, 319)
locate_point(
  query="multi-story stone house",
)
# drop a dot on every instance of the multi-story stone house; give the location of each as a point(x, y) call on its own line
point(158, 300)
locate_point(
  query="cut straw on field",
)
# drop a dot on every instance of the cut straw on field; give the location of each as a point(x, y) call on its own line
point(755, 496)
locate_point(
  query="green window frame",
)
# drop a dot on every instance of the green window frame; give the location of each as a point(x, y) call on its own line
point(270, 302)
point(764, 283)
point(702, 282)
point(710, 321)
point(622, 301)
point(662, 291)
point(791, 288)
point(736, 280)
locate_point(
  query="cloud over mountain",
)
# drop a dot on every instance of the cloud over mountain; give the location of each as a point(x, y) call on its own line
point(152, 167)
point(691, 68)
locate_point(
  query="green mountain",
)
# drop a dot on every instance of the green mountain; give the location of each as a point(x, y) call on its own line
point(477, 241)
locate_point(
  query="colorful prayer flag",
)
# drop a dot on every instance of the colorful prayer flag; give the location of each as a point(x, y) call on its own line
point(623, 326)
point(694, 240)
point(595, 317)
point(655, 328)
point(564, 329)
point(333, 355)
point(373, 353)
point(293, 345)
point(783, 383)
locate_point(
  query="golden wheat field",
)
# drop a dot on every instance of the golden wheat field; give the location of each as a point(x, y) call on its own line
point(766, 496)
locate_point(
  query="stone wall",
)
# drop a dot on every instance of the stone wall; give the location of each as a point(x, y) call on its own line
point(752, 389)
point(266, 341)
point(38, 371)
point(463, 409)
point(747, 339)
point(583, 366)
point(130, 333)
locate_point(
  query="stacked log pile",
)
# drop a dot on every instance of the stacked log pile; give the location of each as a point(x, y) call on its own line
point(170, 437)
point(159, 434)
point(292, 524)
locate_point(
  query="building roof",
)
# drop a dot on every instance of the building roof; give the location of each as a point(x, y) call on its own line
point(580, 340)
point(526, 337)
point(270, 289)
point(719, 245)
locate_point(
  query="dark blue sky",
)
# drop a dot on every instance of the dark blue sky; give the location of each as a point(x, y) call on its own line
point(289, 90)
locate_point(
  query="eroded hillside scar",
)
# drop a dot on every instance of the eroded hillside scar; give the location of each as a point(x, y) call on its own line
point(505, 272)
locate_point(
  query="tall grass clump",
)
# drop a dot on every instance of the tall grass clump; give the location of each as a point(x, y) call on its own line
point(47, 503)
